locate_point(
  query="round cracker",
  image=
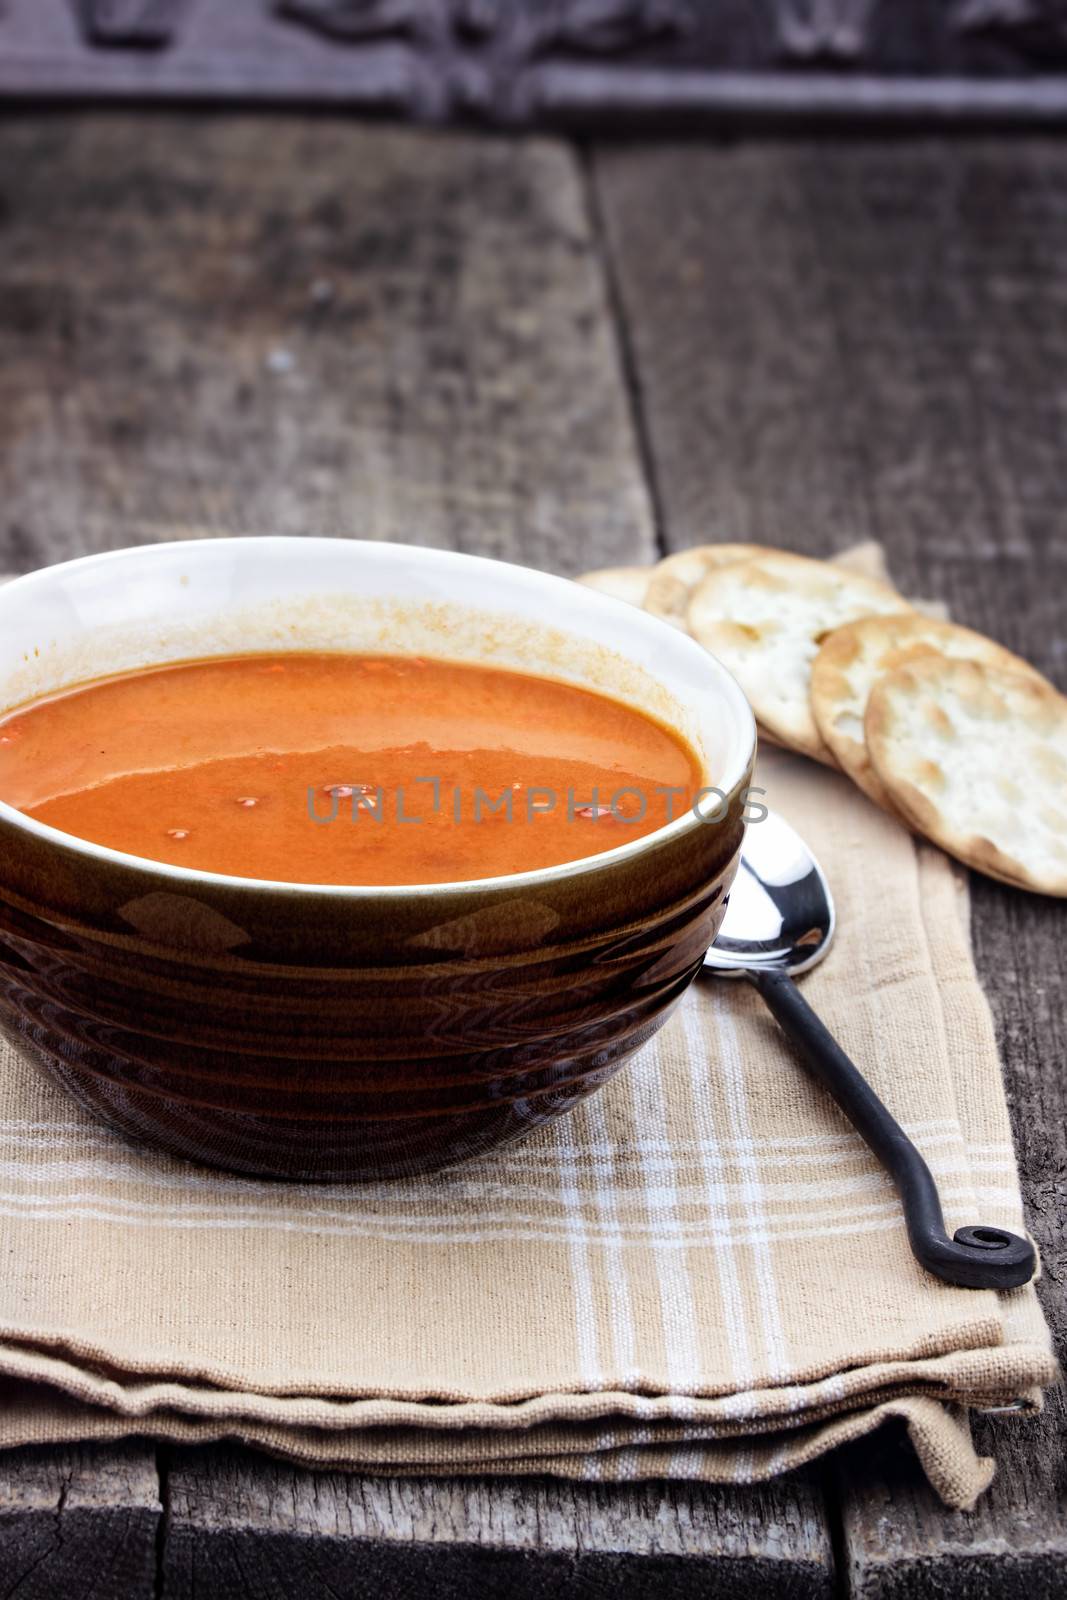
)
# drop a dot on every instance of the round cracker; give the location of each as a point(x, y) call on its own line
point(854, 657)
point(976, 758)
point(622, 583)
point(676, 576)
point(765, 620)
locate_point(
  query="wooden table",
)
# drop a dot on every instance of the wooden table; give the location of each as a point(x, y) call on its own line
point(569, 357)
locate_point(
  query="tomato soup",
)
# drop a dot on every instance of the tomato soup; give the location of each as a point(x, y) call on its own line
point(344, 769)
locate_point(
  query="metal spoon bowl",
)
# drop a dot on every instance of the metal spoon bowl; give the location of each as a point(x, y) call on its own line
point(779, 923)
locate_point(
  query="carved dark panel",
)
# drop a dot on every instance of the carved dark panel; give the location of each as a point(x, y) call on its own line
point(141, 23)
point(594, 27)
point(630, 64)
point(1035, 28)
point(475, 19)
point(829, 30)
point(605, 27)
point(353, 19)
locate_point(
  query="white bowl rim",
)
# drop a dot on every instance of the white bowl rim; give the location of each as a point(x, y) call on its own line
point(375, 549)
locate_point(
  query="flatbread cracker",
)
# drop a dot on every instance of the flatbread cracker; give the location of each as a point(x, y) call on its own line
point(866, 558)
point(622, 583)
point(976, 759)
point(765, 620)
point(853, 658)
point(674, 578)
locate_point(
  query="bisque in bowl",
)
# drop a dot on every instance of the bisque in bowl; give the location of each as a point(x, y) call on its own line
point(325, 1031)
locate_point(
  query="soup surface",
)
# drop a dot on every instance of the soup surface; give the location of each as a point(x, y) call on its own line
point(344, 769)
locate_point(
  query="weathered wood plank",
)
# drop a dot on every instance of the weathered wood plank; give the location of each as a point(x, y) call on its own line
point(79, 1522)
point(241, 1532)
point(277, 326)
point(902, 1543)
point(835, 343)
point(900, 1539)
point(840, 342)
point(293, 326)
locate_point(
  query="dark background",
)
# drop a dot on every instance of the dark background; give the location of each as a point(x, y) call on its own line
point(603, 63)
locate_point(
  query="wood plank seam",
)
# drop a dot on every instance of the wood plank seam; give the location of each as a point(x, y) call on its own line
point(886, 350)
point(163, 1523)
point(626, 356)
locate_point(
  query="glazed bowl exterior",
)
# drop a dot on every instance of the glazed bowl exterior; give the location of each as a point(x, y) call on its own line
point(346, 1033)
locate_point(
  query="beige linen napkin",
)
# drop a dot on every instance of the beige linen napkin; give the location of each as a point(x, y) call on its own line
point(700, 1273)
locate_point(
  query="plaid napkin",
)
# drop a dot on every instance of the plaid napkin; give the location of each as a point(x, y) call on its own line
point(700, 1273)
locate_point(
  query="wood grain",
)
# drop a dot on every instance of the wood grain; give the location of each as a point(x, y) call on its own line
point(457, 382)
point(286, 326)
point(826, 343)
point(240, 1529)
point(833, 343)
point(840, 342)
point(900, 1541)
point(79, 1522)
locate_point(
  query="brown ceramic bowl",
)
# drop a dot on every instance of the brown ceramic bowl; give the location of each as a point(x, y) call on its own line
point(325, 1032)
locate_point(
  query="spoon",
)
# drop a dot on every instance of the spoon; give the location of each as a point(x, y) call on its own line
point(779, 923)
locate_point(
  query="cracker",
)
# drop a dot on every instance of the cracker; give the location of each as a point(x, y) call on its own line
point(622, 583)
point(976, 758)
point(867, 558)
point(674, 579)
point(765, 620)
point(854, 657)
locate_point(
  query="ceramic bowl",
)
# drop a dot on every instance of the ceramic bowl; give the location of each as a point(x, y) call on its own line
point(344, 1033)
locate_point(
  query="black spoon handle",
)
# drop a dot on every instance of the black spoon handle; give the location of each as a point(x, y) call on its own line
point(976, 1258)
